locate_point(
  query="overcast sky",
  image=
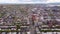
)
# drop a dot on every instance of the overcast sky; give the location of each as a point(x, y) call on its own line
point(28, 1)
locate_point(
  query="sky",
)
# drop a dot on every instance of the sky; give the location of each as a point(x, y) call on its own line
point(27, 1)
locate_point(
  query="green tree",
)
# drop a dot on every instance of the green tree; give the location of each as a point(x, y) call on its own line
point(2, 14)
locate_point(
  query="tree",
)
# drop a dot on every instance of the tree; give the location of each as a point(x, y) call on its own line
point(24, 12)
point(2, 14)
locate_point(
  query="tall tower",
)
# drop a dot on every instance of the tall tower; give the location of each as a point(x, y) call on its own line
point(34, 23)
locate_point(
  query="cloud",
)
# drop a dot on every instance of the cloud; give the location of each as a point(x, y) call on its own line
point(9, 1)
point(53, 1)
point(27, 1)
point(19, 1)
point(33, 0)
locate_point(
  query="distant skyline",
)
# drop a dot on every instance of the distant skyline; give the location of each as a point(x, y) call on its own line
point(28, 1)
